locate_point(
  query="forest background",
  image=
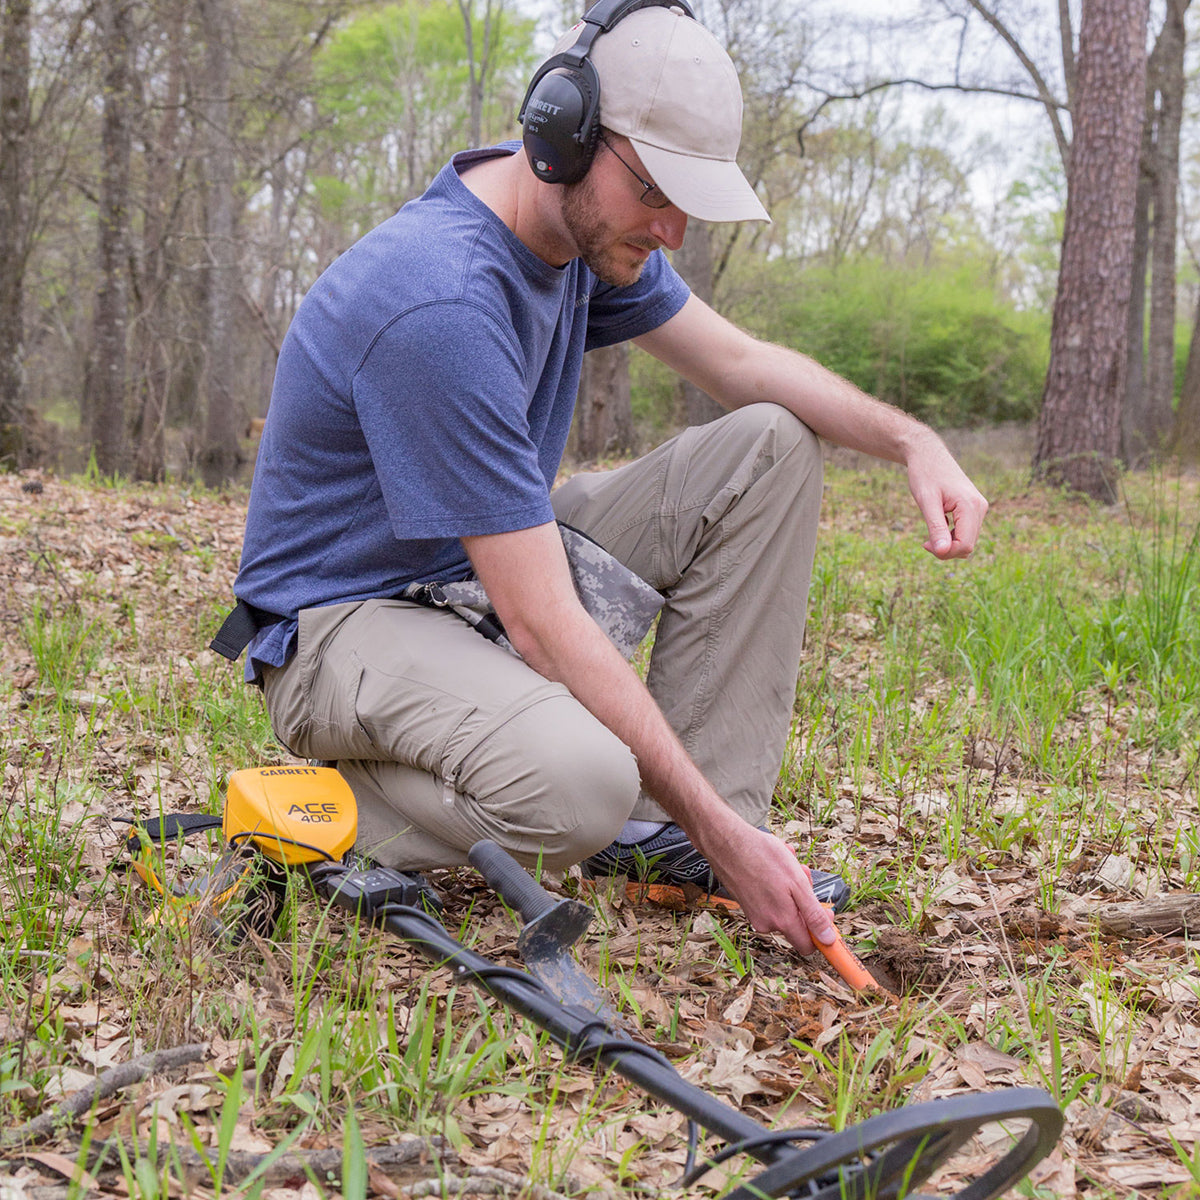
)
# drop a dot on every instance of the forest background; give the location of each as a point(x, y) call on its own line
point(982, 213)
point(174, 174)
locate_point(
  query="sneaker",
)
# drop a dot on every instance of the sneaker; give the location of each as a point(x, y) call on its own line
point(668, 857)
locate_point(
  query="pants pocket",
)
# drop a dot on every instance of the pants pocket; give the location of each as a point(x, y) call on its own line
point(403, 719)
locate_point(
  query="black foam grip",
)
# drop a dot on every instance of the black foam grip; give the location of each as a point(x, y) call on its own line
point(160, 830)
point(510, 881)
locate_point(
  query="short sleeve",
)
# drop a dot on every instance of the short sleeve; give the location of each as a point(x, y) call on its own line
point(620, 314)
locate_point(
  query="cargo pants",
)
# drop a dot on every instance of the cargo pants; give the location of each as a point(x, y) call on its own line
point(447, 738)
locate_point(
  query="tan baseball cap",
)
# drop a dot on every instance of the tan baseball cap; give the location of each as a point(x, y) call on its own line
point(668, 86)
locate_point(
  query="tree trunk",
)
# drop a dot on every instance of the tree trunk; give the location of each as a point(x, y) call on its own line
point(603, 413)
point(479, 61)
point(1147, 417)
point(106, 403)
point(694, 261)
point(1135, 353)
point(1160, 362)
point(1186, 438)
point(1079, 427)
point(224, 421)
point(153, 359)
point(268, 301)
point(14, 170)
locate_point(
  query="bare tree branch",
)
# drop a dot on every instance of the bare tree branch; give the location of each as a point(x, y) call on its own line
point(1044, 94)
point(978, 89)
point(107, 1083)
point(1067, 39)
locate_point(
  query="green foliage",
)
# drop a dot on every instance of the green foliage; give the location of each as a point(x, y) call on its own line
point(653, 392)
point(936, 342)
point(333, 195)
point(1148, 630)
point(378, 63)
point(1035, 640)
point(64, 644)
point(394, 87)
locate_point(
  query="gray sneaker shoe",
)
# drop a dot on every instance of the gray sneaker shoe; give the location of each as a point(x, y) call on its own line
point(668, 857)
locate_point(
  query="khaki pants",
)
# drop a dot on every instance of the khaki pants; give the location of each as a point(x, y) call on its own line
point(446, 738)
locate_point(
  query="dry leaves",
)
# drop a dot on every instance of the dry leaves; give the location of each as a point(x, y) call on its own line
point(148, 572)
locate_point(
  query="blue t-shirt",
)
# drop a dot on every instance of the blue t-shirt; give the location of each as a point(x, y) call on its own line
point(424, 393)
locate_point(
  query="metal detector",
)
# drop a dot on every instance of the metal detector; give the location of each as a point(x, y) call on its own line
point(304, 818)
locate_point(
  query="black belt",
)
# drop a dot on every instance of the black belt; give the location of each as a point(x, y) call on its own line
point(239, 628)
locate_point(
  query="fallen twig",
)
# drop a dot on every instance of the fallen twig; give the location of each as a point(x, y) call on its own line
point(1178, 912)
point(106, 1084)
point(481, 1181)
point(405, 1168)
point(293, 1168)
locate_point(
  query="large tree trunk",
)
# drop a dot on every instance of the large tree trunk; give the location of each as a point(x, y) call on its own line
point(106, 403)
point(14, 170)
point(694, 261)
point(603, 414)
point(1079, 427)
point(224, 421)
point(1135, 351)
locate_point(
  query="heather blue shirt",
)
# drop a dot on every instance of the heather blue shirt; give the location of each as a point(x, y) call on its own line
point(424, 393)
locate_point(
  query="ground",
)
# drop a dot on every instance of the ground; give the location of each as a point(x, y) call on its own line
point(999, 755)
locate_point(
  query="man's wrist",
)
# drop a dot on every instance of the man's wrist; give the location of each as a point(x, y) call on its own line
point(917, 439)
point(717, 831)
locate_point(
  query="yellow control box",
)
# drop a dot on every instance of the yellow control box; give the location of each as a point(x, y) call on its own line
point(294, 815)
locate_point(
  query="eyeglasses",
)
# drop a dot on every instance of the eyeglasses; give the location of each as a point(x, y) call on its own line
point(652, 195)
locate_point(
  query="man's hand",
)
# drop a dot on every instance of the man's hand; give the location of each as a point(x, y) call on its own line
point(773, 888)
point(951, 504)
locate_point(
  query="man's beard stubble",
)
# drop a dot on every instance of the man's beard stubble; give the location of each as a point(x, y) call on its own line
point(600, 253)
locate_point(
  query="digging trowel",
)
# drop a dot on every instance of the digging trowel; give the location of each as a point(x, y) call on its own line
point(551, 927)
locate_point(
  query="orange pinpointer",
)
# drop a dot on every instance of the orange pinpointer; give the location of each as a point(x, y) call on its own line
point(850, 968)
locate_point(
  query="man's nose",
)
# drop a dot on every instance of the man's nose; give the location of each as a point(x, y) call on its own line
point(669, 226)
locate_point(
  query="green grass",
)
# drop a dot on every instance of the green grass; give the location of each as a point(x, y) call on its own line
point(973, 742)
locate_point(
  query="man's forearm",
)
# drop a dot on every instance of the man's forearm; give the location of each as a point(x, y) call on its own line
point(564, 643)
point(554, 634)
point(832, 407)
point(526, 577)
point(737, 369)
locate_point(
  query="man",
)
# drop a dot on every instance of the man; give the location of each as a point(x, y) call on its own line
point(421, 406)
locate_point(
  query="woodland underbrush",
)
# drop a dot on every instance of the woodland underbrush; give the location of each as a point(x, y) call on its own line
point(999, 754)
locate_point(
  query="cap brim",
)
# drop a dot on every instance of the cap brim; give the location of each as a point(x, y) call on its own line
point(709, 189)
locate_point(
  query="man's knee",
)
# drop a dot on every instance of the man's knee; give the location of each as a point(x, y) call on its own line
point(775, 432)
point(576, 789)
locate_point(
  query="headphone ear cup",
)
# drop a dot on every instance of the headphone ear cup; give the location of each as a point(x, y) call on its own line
point(561, 122)
point(561, 111)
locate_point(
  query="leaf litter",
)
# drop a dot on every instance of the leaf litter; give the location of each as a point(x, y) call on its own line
point(128, 712)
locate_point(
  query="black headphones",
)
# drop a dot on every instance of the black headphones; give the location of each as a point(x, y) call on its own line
point(561, 109)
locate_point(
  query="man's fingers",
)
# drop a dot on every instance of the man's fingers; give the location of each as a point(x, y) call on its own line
point(940, 542)
point(952, 506)
point(775, 892)
point(968, 517)
point(798, 936)
point(953, 531)
point(816, 916)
